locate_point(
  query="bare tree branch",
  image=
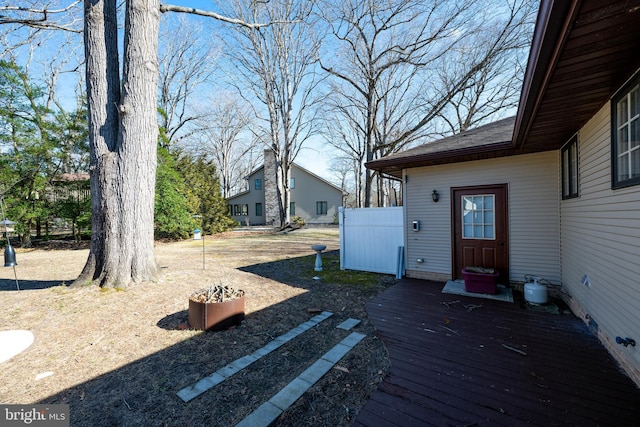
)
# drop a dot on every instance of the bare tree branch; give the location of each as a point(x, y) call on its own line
point(182, 9)
point(39, 18)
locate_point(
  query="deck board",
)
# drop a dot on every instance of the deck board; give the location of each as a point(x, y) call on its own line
point(497, 364)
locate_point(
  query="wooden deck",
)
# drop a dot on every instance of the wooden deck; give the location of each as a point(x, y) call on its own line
point(498, 364)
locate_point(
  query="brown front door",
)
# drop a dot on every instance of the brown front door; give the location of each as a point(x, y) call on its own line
point(480, 234)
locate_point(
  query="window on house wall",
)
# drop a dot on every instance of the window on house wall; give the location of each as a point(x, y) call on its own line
point(258, 209)
point(570, 169)
point(230, 209)
point(292, 183)
point(321, 208)
point(478, 219)
point(258, 184)
point(240, 210)
point(625, 136)
point(292, 208)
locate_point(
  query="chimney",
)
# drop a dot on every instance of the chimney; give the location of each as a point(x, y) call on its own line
point(271, 205)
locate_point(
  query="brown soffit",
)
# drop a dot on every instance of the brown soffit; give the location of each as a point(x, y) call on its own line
point(550, 34)
point(582, 52)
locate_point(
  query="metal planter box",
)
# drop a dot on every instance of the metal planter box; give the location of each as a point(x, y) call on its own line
point(216, 316)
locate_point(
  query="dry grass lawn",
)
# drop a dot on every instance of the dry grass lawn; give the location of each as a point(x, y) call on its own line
point(119, 357)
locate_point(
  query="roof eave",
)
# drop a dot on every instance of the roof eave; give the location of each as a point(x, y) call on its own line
point(553, 25)
point(394, 166)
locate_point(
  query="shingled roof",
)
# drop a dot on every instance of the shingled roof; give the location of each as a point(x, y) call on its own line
point(491, 140)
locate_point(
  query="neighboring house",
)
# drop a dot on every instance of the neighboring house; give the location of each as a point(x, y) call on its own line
point(313, 199)
point(555, 191)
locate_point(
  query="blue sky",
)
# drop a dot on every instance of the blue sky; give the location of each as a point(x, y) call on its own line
point(312, 157)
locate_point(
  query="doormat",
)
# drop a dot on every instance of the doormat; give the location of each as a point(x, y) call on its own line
point(456, 287)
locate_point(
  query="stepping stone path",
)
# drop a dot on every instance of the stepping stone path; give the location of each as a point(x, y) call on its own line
point(270, 410)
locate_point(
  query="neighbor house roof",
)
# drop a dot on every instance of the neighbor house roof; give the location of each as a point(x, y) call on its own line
point(256, 170)
point(582, 52)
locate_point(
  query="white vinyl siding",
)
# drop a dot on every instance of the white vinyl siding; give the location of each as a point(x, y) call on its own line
point(601, 238)
point(533, 201)
point(311, 190)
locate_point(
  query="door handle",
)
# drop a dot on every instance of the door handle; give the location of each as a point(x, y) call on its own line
point(500, 243)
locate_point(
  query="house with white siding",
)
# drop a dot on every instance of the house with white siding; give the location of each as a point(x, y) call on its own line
point(554, 191)
point(312, 198)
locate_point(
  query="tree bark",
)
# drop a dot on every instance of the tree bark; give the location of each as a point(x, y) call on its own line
point(123, 142)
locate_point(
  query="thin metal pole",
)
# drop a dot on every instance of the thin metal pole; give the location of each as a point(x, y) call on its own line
point(16, 276)
point(201, 217)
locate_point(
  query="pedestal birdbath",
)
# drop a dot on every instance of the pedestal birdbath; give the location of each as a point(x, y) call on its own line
point(318, 249)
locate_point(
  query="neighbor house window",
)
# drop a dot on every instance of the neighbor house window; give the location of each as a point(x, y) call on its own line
point(258, 184)
point(321, 208)
point(258, 209)
point(626, 135)
point(292, 208)
point(230, 209)
point(478, 219)
point(240, 210)
point(292, 183)
point(570, 169)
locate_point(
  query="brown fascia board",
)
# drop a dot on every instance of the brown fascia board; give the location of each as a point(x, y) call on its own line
point(552, 28)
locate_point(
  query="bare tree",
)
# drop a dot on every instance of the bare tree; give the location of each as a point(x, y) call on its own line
point(123, 134)
point(342, 166)
point(275, 73)
point(388, 54)
point(343, 130)
point(186, 67)
point(381, 48)
point(225, 140)
point(495, 88)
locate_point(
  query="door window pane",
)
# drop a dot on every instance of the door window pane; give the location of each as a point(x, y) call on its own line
point(478, 217)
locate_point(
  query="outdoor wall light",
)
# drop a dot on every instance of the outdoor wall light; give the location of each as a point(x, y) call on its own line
point(435, 196)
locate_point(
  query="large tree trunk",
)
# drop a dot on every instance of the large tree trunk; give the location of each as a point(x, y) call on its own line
point(123, 135)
